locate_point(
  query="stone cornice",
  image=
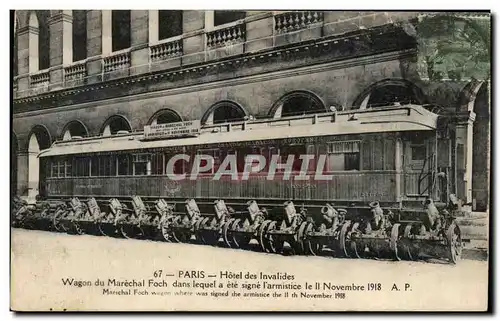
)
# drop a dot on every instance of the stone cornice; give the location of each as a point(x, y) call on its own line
point(232, 82)
point(355, 44)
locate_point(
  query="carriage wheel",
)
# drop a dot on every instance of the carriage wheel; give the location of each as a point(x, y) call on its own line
point(209, 234)
point(263, 241)
point(408, 250)
point(276, 243)
point(241, 240)
point(226, 234)
point(301, 239)
point(454, 237)
point(105, 229)
point(131, 231)
point(313, 246)
point(180, 236)
point(198, 230)
point(76, 227)
point(393, 243)
point(166, 231)
point(343, 239)
point(57, 221)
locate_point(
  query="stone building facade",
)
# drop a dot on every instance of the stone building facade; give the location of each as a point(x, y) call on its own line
point(93, 72)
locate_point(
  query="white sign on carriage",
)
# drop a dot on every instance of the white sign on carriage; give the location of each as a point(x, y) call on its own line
point(172, 130)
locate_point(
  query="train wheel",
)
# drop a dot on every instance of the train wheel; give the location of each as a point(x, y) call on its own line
point(226, 234)
point(393, 243)
point(276, 243)
point(313, 246)
point(408, 251)
point(263, 241)
point(343, 239)
point(454, 238)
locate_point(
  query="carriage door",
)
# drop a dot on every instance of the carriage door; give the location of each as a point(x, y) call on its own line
point(416, 159)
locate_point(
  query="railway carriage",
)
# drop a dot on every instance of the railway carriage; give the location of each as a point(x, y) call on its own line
point(377, 170)
point(388, 154)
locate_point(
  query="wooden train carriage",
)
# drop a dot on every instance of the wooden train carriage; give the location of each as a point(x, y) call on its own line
point(385, 154)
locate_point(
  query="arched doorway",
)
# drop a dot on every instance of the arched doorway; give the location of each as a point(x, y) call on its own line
point(297, 103)
point(116, 124)
point(164, 116)
point(224, 112)
point(390, 92)
point(39, 139)
point(74, 129)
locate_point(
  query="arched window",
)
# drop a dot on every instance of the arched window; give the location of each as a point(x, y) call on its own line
point(120, 24)
point(79, 35)
point(297, 103)
point(390, 93)
point(43, 39)
point(226, 16)
point(74, 128)
point(169, 23)
point(224, 112)
point(165, 116)
point(114, 125)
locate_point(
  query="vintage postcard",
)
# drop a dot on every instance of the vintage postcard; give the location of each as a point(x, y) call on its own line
point(224, 160)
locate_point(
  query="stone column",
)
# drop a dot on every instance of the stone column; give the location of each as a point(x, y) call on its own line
point(139, 40)
point(464, 136)
point(259, 30)
point(61, 45)
point(194, 23)
point(106, 31)
point(94, 45)
point(22, 173)
point(153, 23)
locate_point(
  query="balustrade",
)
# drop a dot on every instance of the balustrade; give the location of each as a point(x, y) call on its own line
point(118, 61)
point(166, 50)
point(75, 72)
point(296, 20)
point(40, 79)
point(226, 36)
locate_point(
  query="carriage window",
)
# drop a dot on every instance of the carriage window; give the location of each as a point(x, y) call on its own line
point(81, 166)
point(343, 156)
point(60, 168)
point(418, 152)
point(94, 166)
point(296, 151)
point(141, 164)
point(124, 164)
point(215, 153)
point(157, 164)
point(107, 165)
point(242, 153)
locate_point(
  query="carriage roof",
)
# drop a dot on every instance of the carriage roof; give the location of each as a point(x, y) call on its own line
point(379, 120)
